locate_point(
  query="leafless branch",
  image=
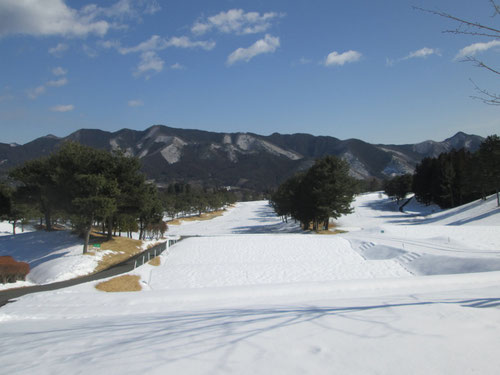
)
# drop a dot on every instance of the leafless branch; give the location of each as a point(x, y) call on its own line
point(495, 7)
point(490, 32)
point(479, 64)
point(486, 96)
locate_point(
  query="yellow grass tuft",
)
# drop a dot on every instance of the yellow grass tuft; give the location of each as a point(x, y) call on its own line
point(203, 216)
point(336, 231)
point(155, 261)
point(330, 230)
point(118, 249)
point(124, 283)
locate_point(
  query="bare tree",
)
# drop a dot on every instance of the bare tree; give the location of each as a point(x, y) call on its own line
point(468, 27)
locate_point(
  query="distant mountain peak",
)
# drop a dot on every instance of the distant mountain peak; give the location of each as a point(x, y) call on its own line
point(241, 159)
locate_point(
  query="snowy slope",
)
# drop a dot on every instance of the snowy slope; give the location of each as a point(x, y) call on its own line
point(246, 296)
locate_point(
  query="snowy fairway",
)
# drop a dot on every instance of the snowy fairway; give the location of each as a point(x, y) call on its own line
point(252, 295)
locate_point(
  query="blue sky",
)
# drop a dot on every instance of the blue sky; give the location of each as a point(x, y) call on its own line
point(379, 71)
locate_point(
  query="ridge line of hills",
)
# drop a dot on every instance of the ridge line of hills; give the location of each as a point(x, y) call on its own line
point(244, 160)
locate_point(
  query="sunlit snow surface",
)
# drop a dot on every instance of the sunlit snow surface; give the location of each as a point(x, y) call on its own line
point(252, 295)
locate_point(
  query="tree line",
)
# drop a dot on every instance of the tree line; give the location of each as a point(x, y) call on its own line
point(183, 199)
point(88, 187)
point(453, 178)
point(324, 191)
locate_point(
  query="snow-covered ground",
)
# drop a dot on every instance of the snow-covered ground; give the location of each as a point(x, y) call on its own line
point(247, 294)
point(52, 256)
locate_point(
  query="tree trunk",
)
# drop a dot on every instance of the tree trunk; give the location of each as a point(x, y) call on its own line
point(14, 227)
point(48, 221)
point(86, 238)
point(141, 229)
point(109, 236)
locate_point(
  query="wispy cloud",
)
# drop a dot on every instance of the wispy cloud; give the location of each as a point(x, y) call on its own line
point(177, 66)
point(235, 21)
point(63, 108)
point(58, 50)
point(267, 45)
point(89, 51)
point(135, 103)
point(150, 62)
point(59, 71)
point(35, 92)
point(421, 53)
point(335, 58)
point(476, 48)
point(157, 43)
point(58, 82)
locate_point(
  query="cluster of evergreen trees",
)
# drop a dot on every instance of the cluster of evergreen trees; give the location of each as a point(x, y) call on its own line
point(89, 187)
point(399, 186)
point(458, 177)
point(326, 190)
point(85, 186)
point(453, 178)
point(181, 199)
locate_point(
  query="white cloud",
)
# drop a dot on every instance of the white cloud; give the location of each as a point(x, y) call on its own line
point(59, 71)
point(267, 45)
point(422, 53)
point(55, 17)
point(177, 66)
point(63, 108)
point(152, 7)
point(36, 92)
point(235, 21)
point(57, 83)
point(135, 103)
point(185, 42)
point(335, 58)
point(48, 17)
point(89, 51)
point(150, 62)
point(58, 50)
point(157, 43)
point(475, 48)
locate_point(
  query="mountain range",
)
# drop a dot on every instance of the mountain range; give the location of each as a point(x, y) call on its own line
point(243, 160)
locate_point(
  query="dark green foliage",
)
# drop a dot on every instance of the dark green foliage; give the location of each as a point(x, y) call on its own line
point(89, 186)
point(184, 199)
point(326, 190)
point(39, 186)
point(399, 186)
point(489, 163)
point(12, 208)
point(458, 177)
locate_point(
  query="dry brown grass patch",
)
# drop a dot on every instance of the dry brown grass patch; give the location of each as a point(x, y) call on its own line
point(204, 216)
point(335, 231)
point(124, 283)
point(155, 261)
point(330, 230)
point(118, 249)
